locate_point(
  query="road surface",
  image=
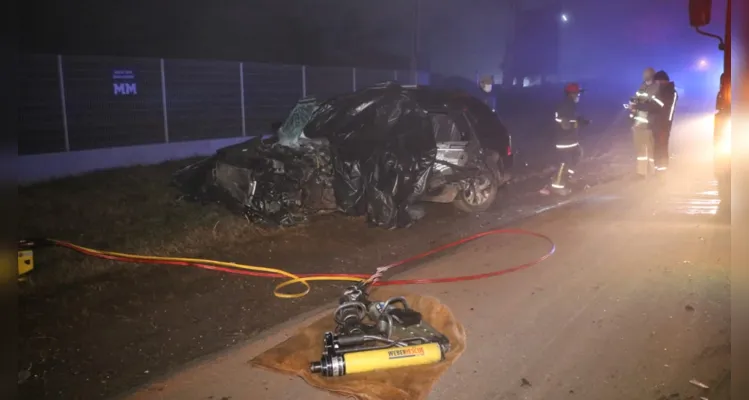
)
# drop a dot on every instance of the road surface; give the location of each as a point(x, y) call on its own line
point(633, 305)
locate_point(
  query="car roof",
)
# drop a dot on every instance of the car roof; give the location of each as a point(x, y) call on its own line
point(439, 98)
point(435, 99)
point(423, 90)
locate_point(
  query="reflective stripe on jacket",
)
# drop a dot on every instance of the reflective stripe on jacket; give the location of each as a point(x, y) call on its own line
point(647, 98)
point(565, 117)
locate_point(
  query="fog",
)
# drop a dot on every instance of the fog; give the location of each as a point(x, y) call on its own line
point(596, 40)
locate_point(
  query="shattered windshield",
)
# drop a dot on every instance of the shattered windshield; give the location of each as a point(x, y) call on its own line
point(293, 127)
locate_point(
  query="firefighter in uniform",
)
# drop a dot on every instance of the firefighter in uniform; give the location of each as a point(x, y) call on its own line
point(640, 106)
point(662, 106)
point(567, 140)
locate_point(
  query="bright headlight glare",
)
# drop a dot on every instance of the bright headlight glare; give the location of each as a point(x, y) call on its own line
point(725, 141)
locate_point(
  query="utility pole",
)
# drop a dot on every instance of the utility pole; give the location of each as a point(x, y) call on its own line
point(562, 39)
point(508, 61)
point(727, 44)
point(415, 33)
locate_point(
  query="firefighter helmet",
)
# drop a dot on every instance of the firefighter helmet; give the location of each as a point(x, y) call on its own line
point(572, 88)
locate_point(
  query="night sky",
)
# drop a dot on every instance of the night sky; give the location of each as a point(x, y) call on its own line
point(260, 30)
point(458, 36)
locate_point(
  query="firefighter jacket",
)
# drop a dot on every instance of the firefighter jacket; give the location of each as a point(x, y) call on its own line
point(660, 107)
point(663, 106)
point(567, 123)
point(642, 104)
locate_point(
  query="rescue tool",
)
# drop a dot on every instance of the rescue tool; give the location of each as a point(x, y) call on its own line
point(377, 335)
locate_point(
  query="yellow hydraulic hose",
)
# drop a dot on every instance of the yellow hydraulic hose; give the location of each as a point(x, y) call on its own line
point(276, 292)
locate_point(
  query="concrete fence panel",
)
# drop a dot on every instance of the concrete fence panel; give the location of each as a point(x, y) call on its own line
point(325, 82)
point(270, 91)
point(203, 99)
point(404, 77)
point(112, 101)
point(369, 77)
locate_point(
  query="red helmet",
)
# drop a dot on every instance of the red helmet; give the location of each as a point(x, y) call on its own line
point(572, 88)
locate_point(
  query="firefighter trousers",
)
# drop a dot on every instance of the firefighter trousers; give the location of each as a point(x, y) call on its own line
point(645, 149)
point(661, 137)
point(568, 159)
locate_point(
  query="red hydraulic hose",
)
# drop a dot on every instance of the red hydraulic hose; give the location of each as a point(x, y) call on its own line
point(550, 251)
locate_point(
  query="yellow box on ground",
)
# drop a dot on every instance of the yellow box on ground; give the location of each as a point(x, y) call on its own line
point(25, 262)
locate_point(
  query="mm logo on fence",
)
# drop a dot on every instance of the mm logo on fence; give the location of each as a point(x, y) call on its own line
point(124, 83)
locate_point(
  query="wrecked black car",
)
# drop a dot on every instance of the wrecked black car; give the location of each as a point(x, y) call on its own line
point(375, 152)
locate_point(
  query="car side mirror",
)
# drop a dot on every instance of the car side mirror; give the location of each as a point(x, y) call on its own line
point(275, 126)
point(699, 12)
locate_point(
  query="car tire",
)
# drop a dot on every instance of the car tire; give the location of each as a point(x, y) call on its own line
point(467, 201)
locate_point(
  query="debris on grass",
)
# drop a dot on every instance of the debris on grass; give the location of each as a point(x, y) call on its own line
point(697, 383)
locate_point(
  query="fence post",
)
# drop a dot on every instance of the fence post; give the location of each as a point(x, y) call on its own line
point(304, 81)
point(395, 75)
point(62, 102)
point(353, 78)
point(163, 103)
point(241, 91)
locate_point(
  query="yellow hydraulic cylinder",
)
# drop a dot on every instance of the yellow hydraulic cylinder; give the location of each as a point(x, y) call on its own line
point(374, 360)
point(25, 262)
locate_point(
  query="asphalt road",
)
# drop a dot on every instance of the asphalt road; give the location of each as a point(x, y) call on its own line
point(633, 305)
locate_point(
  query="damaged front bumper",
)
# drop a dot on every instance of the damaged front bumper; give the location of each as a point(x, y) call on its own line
point(267, 182)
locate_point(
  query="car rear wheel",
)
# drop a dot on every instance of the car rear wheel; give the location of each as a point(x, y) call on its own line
point(479, 193)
